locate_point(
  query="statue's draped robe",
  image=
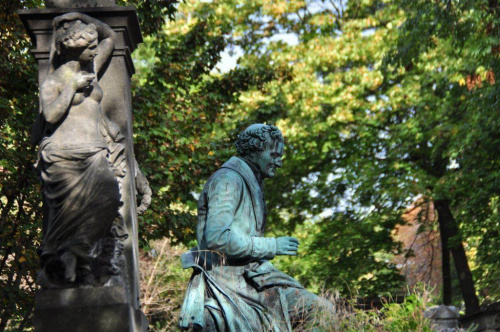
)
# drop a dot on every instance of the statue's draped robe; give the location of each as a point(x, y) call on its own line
point(81, 193)
point(233, 281)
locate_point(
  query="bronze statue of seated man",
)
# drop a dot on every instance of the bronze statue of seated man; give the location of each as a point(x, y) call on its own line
point(234, 286)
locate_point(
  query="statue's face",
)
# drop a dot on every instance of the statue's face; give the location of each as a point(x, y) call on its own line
point(77, 41)
point(88, 53)
point(270, 159)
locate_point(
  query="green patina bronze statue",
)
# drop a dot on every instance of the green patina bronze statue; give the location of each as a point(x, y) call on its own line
point(234, 286)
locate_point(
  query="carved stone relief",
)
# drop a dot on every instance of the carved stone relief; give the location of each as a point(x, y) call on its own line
point(81, 160)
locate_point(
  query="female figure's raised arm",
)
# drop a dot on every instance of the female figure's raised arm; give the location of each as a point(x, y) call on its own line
point(107, 36)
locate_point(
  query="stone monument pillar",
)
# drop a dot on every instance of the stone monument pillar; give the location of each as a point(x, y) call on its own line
point(443, 318)
point(79, 297)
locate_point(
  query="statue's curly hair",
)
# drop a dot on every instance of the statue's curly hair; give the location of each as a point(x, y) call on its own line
point(254, 138)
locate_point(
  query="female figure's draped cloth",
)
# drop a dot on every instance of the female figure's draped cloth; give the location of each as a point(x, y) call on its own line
point(82, 198)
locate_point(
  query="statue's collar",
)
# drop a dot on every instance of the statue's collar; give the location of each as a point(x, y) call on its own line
point(255, 170)
point(243, 168)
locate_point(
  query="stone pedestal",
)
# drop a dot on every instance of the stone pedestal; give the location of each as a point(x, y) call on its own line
point(68, 310)
point(443, 318)
point(98, 309)
point(78, 4)
point(485, 321)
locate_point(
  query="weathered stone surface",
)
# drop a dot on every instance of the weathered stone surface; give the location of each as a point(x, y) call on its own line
point(114, 82)
point(443, 318)
point(99, 309)
point(234, 286)
point(486, 321)
point(116, 102)
point(78, 3)
point(123, 20)
point(81, 159)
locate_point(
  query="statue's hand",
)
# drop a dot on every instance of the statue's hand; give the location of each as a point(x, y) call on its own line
point(287, 245)
point(81, 81)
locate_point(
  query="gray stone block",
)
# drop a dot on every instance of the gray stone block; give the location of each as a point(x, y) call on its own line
point(84, 308)
point(78, 3)
point(485, 321)
point(443, 318)
point(103, 309)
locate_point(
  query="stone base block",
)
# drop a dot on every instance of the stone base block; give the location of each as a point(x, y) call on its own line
point(94, 309)
point(443, 318)
point(77, 4)
point(486, 321)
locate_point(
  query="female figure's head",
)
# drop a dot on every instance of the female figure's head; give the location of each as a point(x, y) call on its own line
point(75, 40)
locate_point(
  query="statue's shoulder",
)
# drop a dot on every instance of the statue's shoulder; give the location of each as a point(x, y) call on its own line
point(58, 78)
point(226, 175)
point(231, 176)
point(224, 179)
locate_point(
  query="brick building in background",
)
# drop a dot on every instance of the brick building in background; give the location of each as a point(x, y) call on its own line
point(420, 239)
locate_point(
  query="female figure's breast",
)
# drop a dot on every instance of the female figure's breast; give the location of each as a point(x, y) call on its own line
point(92, 92)
point(82, 122)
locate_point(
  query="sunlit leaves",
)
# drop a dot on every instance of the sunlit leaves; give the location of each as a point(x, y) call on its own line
point(180, 104)
point(333, 115)
point(20, 201)
point(450, 49)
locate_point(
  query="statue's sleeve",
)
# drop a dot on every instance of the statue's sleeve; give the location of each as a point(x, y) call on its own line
point(225, 194)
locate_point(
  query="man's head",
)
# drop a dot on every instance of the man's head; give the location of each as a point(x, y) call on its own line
point(263, 145)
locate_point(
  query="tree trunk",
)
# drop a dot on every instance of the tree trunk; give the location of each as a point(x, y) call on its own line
point(449, 231)
point(446, 270)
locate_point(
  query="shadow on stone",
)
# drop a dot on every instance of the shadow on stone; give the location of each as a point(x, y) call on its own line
point(100, 309)
point(485, 321)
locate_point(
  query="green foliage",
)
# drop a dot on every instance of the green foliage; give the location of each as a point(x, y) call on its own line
point(179, 107)
point(380, 102)
point(20, 206)
point(163, 284)
point(338, 253)
point(152, 13)
point(392, 317)
point(408, 316)
point(451, 50)
point(337, 179)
